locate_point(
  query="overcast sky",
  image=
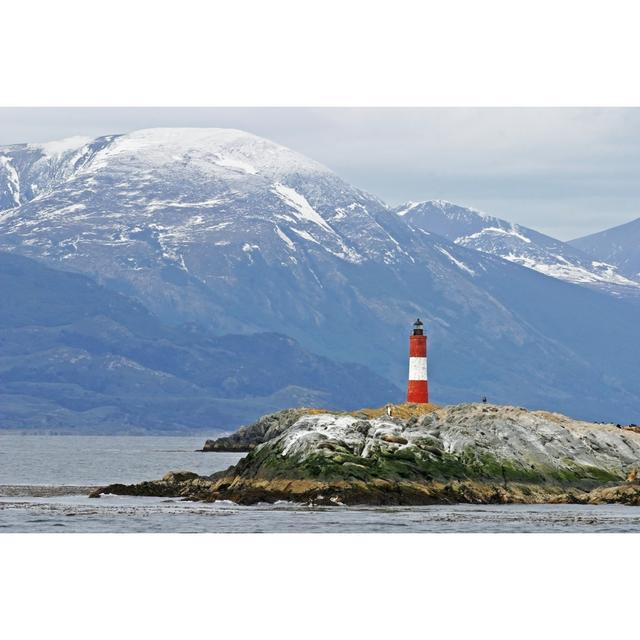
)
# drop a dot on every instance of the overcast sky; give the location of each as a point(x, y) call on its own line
point(565, 172)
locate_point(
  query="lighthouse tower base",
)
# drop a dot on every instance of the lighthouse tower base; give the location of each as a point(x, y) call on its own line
point(418, 392)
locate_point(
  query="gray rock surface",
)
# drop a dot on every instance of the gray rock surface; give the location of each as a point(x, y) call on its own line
point(485, 439)
point(250, 436)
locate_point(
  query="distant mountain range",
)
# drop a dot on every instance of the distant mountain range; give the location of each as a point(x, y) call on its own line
point(566, 261)
point(619, 246)
point(229, 233)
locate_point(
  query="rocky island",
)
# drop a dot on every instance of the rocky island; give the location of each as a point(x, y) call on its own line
point(420, 454)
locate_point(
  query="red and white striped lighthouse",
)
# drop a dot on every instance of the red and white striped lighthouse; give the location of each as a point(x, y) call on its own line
point(418, 386)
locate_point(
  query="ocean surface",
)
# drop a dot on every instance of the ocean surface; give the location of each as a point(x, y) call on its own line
point(45, 480)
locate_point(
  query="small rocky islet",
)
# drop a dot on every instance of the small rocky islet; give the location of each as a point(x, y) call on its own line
point(419, 455)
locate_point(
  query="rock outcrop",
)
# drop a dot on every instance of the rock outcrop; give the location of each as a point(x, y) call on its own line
point(269, 427)
point(249, 437)
point(474, 453)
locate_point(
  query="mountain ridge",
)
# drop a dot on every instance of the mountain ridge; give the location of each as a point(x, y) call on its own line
point(516, 243)
point(619, 245)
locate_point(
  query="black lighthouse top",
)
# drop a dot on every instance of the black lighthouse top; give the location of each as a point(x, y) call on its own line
point(417, 328)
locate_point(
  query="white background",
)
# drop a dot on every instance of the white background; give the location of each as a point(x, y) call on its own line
point(329, 53)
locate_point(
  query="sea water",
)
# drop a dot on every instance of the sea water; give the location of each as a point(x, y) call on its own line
point(45, 481)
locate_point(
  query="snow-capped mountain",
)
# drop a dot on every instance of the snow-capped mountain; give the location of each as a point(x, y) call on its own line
point(238, 234)
point(474, 229)
point(222, 228)
point(181, 208)
point(619, 245)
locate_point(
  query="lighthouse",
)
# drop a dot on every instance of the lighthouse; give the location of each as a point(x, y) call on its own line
point(418, 385)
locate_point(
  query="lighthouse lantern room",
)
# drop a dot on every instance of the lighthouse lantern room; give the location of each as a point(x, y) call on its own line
point(418, 385)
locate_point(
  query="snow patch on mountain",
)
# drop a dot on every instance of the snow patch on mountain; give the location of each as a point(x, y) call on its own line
point(72, 208)
point(565, 270)
point(13, 180)
point(304, 235)
point(234, 163)
point(452, 210)
point(489, 231)
point(153, 205)
point(297, 202)
point(407, 207)
point(206, 150)
point(458, 263)
point(59, 147)
point(285, 238)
